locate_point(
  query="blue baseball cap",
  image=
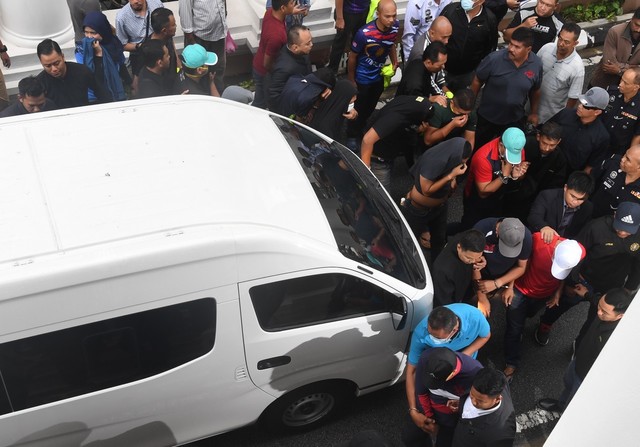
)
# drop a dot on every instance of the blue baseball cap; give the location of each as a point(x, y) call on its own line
point(513, 140)
point(194, 56)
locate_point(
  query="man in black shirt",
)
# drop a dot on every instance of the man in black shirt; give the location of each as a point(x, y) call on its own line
point(68, 83)
point(391, 130)
point(619, 181)
point(425, 77)
point(622, 117)
point(153, 78)
point(195, 78)
point(541, 19)
point(31, 99)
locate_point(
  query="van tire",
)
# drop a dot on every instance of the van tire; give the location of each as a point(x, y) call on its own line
point(307, 407)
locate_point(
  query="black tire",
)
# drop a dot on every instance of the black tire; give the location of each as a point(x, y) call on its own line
point(307, 407)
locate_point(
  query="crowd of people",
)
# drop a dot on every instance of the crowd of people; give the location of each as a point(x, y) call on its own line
point(551, 198)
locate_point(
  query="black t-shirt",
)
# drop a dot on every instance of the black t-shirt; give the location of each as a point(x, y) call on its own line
point(199, 87)
point(582, 144)
point(72, 90)
point(451, 276)
point(544, 32)
point(394, 121)
point(497, 264)
point(438, 162)
point(418, 81)
point(151, 84)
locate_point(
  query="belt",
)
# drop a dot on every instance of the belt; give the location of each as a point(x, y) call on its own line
point(379, 159)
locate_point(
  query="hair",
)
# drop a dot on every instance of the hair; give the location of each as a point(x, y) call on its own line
point(551, 130)
point(152, 50)
point(293, 35)
point(442, 318)
point(572, 27)
point(472, 240)
point(636, 14)
point(465, 99)
point(466, 149)
point(523, 35)
point(581, 182)
point(277, 4)
point(636, 74)
point(489, 381)
point(47, 47)
point(619, 298)
point(30, 86)
point(433, 51)
point(326, 75)
point(160, 19)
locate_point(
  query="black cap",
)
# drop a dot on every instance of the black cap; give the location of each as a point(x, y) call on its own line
point(441, 362)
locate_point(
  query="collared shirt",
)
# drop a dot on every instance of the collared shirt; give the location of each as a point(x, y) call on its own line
point(612, 189)
point(507, 87)
point(562, 79)
point(131, 27)
point(418, 18)
point(621, 120)
point(207, 19)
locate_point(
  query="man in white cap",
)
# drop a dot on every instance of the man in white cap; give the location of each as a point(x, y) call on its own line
point(494, 169)
point(542, 284)
point(585, 140)
point(195, 77)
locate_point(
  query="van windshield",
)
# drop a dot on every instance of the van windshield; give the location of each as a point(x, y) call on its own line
point(365, 223)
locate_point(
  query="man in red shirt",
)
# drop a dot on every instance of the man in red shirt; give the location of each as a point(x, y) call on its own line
point(495, 167)
point(542, 283)
point(272, 38)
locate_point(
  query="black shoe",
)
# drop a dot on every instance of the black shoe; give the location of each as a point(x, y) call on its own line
point(548, 404)
point(541, 336)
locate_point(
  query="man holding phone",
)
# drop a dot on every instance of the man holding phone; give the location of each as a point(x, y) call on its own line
point(541, 19)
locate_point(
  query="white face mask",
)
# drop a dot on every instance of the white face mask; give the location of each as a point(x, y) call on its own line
point(442, 341)
point(350, 106)
point(467, 5)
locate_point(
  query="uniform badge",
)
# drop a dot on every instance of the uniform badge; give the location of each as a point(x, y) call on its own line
point(613, 174)
point(634, 247)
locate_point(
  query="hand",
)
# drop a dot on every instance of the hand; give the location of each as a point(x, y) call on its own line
point(438, 99)
point(212, 76)
point(507, 296)
point(486, 286)
point(6, 60)
point(484, 306)
point(482, 263)
point(419, 419)
point(553, 301)
point(580, 290)
point(506, 168)
point(186, 92)
point(422, 128)
point(353, 114)
point(547, 234)
point(460, 121)
point(431, 427)
point(533, 118)
point(453, 186)
point(300, 10)
point(519, 170)
point(339, 24)
point(513, 4)
point(530, 21)
point(453, 405)
point(97, 49)
point(459, 170)
point(611, 67)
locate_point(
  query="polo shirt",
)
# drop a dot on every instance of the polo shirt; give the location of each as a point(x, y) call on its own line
point(582, 144)
point(562, 79)
point(473, 324)
point(621, 120)
point(611, 190)
point(272, 38)
point(443, 116)
point(131, 27)
point(497, 264)
point(393, 122)
point(372, 47)
point(537, 281)
point(506, 87)
point(544, 32)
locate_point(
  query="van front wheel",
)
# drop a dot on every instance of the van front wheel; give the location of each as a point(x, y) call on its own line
point(307, 407)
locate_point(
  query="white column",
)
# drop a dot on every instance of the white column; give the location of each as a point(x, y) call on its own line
point(27, 22)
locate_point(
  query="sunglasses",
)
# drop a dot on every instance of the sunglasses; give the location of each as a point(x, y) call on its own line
point(591, 108)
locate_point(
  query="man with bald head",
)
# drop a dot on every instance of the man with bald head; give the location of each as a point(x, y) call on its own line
point(619, 181)
point(440, 31)
point(418, 19)
point(369, 50)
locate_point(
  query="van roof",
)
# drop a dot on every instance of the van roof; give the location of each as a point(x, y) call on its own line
point(85, 176)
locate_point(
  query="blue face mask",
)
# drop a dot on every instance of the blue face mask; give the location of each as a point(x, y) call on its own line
point(467, 5)
point(442, 341)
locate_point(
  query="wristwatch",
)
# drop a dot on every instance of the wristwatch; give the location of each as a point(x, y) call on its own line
point(504, 179)
point(3, 49)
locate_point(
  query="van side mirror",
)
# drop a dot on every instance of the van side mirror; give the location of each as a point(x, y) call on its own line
point(399, 313)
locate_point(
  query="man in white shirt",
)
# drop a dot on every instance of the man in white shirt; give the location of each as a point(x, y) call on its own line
point(418, 18)
point(205, 22)
point(563, 73)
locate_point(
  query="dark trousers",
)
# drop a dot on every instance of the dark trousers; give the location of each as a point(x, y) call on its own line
point(552, 314)
point(262, 90)
point(412, 436)
point(433, 220)
point(352, 22)
point(487, 131)
point(217, 47)
point(368, 96)
point(521, 308)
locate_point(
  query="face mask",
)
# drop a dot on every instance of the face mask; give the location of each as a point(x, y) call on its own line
point(441, 341)
point(467, 5)
point(350, 106)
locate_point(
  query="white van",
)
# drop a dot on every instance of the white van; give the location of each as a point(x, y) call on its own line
point(178, 267)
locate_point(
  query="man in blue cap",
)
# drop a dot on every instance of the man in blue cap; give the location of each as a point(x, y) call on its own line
point(195, 78)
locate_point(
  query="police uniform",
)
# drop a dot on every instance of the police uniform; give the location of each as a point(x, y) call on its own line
point(621, 120)
point(612, 189)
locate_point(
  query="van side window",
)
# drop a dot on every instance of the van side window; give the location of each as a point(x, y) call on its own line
point(314, 299)
point(83, 359)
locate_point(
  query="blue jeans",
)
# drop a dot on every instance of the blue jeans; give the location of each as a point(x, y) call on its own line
point(571, 384)
point(519, 310)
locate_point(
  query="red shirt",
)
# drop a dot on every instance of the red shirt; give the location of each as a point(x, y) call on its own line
point(272, 39)
point(537, 281)
point(485, 164)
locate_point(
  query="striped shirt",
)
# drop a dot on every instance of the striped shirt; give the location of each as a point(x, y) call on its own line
point(207, 19)
point(131, 27)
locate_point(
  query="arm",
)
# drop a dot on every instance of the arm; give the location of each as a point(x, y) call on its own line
point(430, 187)
point(534, 98)
point(476, 345)
point(339, 15)
point(185, 9)
point(351, 66)
point(434, 135)
point(410, 388)
point(393, 55)
point(529, 22)
point(366, 147)
point(268, 62)
point(470, 136)
point(409, 34)
point(6, 60)
point(571, 103)
point(476, 85)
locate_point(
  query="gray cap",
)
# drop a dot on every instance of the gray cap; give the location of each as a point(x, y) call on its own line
point(595, 97)
point(511, 235)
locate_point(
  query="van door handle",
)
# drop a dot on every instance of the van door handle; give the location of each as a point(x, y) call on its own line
point(274, 361)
